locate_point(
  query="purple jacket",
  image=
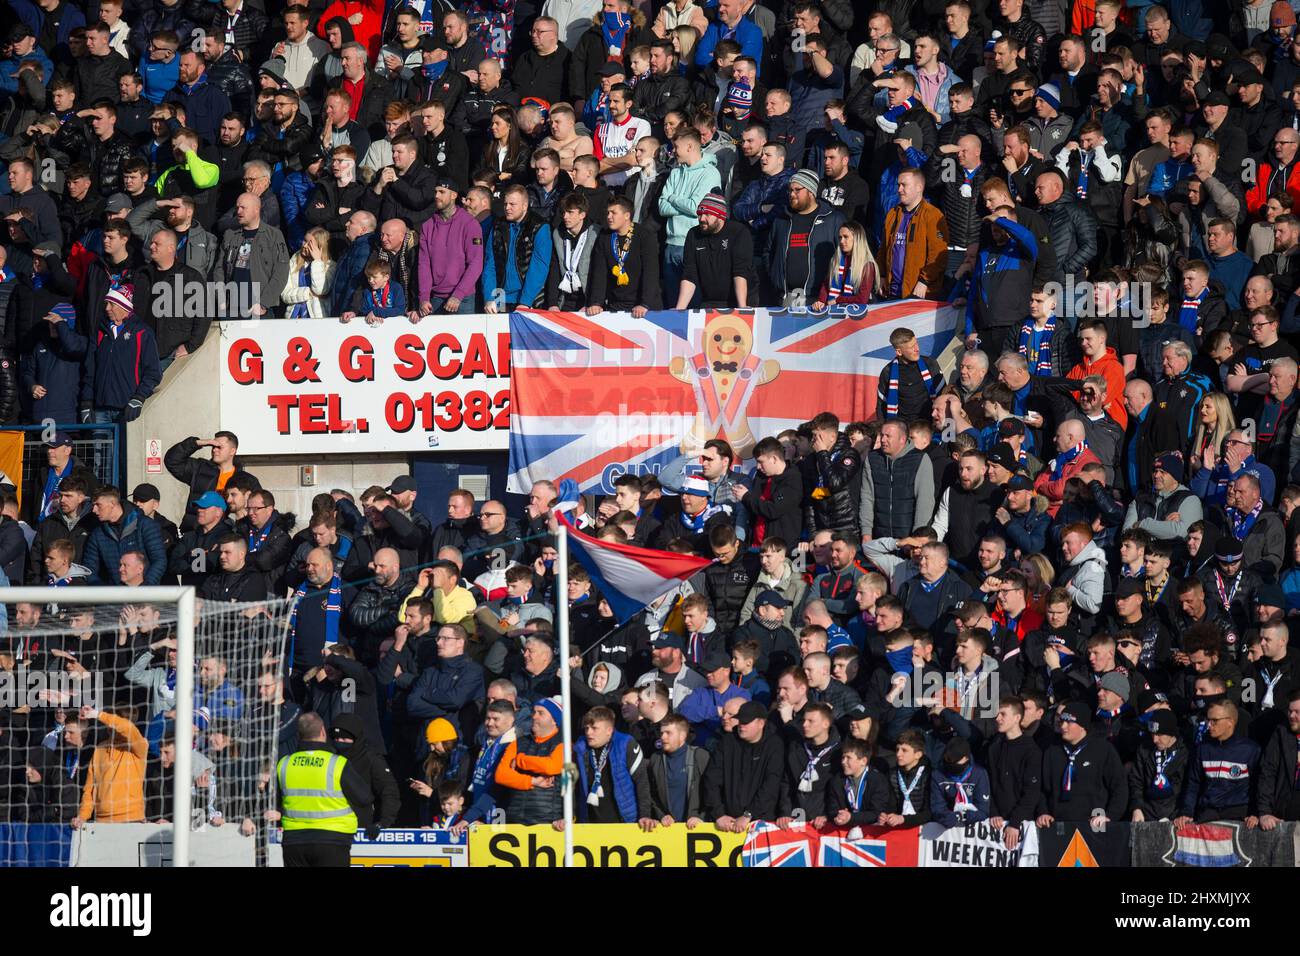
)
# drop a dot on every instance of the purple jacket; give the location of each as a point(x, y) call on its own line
point(451, 256)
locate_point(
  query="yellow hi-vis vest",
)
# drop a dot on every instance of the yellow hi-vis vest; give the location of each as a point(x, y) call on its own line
point(311, 783)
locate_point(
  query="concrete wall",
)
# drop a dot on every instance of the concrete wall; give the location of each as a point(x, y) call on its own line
point(188, 403)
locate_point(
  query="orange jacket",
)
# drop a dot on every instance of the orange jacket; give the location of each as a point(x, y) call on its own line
point(1111, 369)
point(926, 252)
point(115, 781)
point(516, 771)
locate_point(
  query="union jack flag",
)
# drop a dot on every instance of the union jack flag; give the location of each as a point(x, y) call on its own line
point(768, 845)
point(842, 851)
point(593, 398)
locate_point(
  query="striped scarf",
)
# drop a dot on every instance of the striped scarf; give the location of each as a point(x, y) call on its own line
point(1243, 521)
point(1189, 315)
point(696, 523)
point(1081, 186)
point(888, 120)
point(1036, 345)
point(333, 612)
point(891, 395)
point(842, 283)
point(1060, 462)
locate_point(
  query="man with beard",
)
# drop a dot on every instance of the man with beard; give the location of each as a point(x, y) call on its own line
point(718, 259)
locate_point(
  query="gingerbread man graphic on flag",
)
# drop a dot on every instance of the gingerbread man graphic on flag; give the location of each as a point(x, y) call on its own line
point(723, 375)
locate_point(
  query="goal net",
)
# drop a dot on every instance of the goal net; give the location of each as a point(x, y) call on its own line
point(120, 707)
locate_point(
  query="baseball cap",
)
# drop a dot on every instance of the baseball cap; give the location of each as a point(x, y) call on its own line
point(402, 483)
point(860, 712)
point(1217, 98)
point(668, 640)
point(446, 182)
point(612, 68)
point(210, 499)
point(1127, 587)
point(1010, 426)
point(715, 661)
point(1020, 483)
point(772, 597)
point(19, 31)
point(118, 202)
point(60, 440)
point(750, 711)
point(145, 492)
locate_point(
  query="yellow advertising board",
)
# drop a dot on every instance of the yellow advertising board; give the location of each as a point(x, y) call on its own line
point(605, 845)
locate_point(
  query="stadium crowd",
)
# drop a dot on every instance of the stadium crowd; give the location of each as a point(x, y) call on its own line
point(1056, 587)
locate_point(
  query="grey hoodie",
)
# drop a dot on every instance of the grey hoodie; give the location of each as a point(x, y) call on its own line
point(1088, 584)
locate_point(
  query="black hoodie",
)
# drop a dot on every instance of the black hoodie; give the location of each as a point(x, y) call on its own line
point(1014, 768)
point(372, 767)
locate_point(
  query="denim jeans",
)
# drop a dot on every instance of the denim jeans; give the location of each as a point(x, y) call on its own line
point(466, 305)
point(671, 278)
point(101, 460)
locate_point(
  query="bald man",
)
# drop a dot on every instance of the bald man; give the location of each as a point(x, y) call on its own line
point(315, 625)
point(963, 173)
point(1139, 452)
point(374, 614)
point(253, 262)
point(162, 289)
point(397, 248)
point(1072, 455)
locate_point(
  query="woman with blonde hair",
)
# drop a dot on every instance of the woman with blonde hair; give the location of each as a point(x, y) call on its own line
point(311, 276)
point(684, 38)
point(1214, 419)
point(1040, 573)
point(853, 278)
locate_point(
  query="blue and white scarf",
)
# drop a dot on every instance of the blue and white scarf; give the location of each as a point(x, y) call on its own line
point(1243, 521)
point(1036, 345)
point(333, 613)
point(888, 120)
point(1060, 462)
point(891, 392)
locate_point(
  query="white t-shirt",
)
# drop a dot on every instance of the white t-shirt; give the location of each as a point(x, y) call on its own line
point(614, 140)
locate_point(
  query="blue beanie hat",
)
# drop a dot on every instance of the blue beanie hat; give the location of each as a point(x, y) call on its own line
point(552, 706)
point(1050, 93)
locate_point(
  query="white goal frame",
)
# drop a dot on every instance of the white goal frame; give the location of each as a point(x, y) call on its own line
point(183, 598)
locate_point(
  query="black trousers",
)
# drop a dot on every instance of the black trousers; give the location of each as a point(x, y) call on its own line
point(317, 854)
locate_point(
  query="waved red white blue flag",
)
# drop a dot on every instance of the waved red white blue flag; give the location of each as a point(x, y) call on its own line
point(629, 578)
point(595, 397)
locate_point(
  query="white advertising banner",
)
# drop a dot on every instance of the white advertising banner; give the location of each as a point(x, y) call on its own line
point(320, 386)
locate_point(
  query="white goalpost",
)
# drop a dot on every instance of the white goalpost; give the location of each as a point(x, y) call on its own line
point(227, 658)
point(183, 598)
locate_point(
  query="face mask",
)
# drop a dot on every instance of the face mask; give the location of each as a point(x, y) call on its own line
point(548, 563)
point(954, 769)
point(900, 661)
